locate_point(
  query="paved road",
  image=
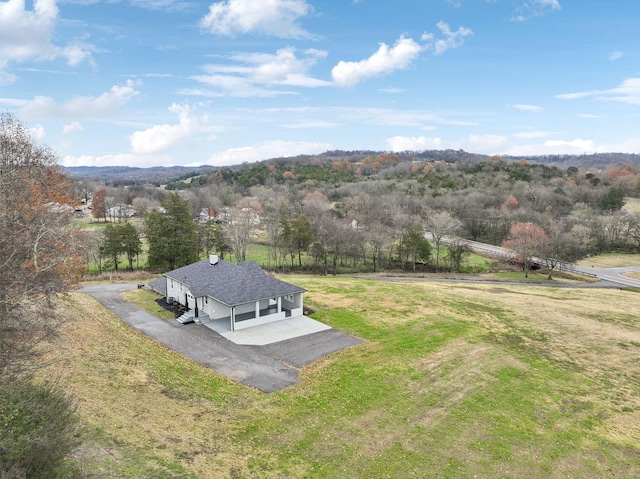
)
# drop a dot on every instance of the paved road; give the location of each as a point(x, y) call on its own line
point(612, 275)
point(609, 277)
point(266, 368)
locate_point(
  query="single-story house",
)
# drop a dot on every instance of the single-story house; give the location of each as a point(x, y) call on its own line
point(242, 294)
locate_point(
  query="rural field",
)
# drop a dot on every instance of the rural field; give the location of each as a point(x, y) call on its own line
point(453, 381)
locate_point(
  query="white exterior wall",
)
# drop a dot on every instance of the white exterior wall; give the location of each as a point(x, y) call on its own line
point(245, 308)
point(296, 305)
point(177, 290)
point(215, 309)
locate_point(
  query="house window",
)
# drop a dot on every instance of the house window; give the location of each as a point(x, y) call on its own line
point(288, 297)
point(171, 284)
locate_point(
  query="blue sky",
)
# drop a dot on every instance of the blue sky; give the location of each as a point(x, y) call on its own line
point(179, 82)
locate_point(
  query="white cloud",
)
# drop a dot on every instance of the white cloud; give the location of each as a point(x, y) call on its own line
point(533, 134)
point(77, 53)
point(450, 40)
point(314, 124)
point(556, 147)
point(160, 138)
point(73, 126)
point(267, 150)
point(414, 143)
point(534, 8)
point(487, 144)
point(391, 90)
point(501, 145)
point(384, 61)
point(27, 35)
point(38, 132)
point(613, 56)
point(531, 108)
point(627, 92)
point(277, 18)
point(589, 115)
point(81, 107)
point(577, 146)
point(260, 74)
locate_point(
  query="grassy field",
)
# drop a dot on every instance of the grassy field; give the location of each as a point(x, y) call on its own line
point(453, 381)
point(632, 204)
point(611, 260)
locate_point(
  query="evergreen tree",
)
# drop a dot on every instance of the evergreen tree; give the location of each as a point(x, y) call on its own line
point(172, 235)
point(131, 244)
point(120, 239)
point(111, 245)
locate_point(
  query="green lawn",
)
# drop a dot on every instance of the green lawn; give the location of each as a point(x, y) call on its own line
point(453, 381)
point(145, 299)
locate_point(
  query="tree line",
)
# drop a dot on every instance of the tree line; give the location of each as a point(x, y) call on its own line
point(369, 222)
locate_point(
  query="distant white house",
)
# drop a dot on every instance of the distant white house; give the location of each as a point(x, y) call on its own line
point(121, 211)
point(241, 294)
point(349, 223)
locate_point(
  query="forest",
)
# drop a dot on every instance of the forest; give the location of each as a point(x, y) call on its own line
point(362, 211)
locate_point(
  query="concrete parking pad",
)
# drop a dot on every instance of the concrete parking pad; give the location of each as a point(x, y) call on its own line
point(270, 365)
point(271, 332)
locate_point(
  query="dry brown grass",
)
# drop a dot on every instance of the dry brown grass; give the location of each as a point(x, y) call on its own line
point(429, 390)
point(612, 260)
point(595, 331)
point(107, 367)
point(632, 204)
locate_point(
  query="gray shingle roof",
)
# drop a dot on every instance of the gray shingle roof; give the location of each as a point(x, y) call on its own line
point(231, 283)
point(159, 285)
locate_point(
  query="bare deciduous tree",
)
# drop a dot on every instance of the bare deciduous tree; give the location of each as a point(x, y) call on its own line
point(41, 253)
point(526, 239)
point(441, 224)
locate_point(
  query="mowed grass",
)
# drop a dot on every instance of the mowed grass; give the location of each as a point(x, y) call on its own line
point(453, 381)
point(632, 204)
point(611, 260)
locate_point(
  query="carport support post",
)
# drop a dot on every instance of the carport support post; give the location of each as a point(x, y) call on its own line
point(257, 309)
point(233, 318)
point(279, 302)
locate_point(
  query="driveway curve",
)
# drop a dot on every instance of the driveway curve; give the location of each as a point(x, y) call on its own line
point(266, 368)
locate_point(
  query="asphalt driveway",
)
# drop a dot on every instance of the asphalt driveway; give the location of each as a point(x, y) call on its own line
point(267, 368)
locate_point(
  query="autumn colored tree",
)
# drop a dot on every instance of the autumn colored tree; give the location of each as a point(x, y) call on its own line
point(526, 240)
point(40, 257)
point(40, 253)
point(99, 204)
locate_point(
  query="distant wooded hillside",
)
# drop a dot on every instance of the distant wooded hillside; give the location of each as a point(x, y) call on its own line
point(123, 175)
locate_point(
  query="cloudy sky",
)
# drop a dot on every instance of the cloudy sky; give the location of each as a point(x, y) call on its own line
point(189, 82)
